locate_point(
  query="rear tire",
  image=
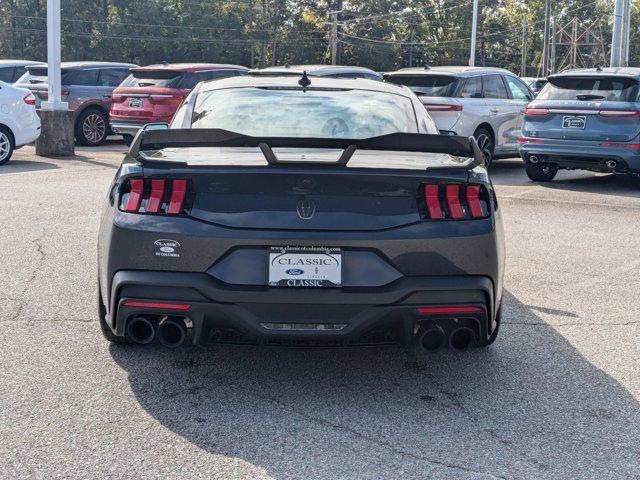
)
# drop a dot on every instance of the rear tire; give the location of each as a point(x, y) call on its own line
point(485, 143)
point(7, 145)
point(92, 127)
point(107, 333)
point(540, 172)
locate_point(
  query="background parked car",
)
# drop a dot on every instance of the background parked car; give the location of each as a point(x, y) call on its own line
point(587, 119)
point(19, 122)
point(153, 93)
point(486, 103)
point(87, 88)
point(332, 71)
point(12, 70)
point(535, 84)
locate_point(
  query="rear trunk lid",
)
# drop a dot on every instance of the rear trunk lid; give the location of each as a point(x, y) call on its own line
point(594, 108)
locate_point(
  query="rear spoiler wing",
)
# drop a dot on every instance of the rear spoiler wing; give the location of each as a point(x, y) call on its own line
point(157, 139)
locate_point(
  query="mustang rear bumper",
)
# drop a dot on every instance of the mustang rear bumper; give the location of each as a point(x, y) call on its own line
point(327, 316)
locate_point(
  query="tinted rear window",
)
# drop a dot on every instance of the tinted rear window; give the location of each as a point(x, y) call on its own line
point(153, 78)
point(430, 85)
point(612, 89)
point(6, 74)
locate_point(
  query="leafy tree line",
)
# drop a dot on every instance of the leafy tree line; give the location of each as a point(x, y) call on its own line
point(381, 34)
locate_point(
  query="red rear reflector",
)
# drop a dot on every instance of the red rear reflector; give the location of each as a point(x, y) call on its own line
point(177, 197)
point(453, 199)
point(619, 113)
point(627, 145)
point(436, 107)
point(167, 306)
point(530, 140)
point(536, 111)
point(29, 99)
point(135, 195)
point(433, 202)
point(473, 199)
point(155, 198)
point(446, 310)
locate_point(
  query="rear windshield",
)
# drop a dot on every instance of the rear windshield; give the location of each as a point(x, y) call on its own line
point(152, 78)
point(610, 89)
point(428, 85)
point(318, 113)
point(33, 76)
point(38, 75)
point(174, 79)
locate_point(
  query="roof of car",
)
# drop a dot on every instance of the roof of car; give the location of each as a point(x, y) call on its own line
point(192, 67)
point(317, 70)
point(81, 65)
point(451, 70)
point(17, 63)
point(624, 71)
point(291, 81)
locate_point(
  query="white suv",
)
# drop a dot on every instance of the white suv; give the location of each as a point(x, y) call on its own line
point(19, 122)
point(487, 103)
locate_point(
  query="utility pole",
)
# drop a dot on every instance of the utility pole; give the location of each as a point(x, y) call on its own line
point(523, 64)
point(617, 38)
point(411, 45)
point(56, 134)
point(334, 37)
point(545, 46)
point(627, 34)
point(474, 30)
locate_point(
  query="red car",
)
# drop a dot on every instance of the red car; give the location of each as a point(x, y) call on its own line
point(153, 93)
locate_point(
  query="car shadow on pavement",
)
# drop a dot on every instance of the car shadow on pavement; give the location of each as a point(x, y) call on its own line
point(23, 166)
point(530, 406)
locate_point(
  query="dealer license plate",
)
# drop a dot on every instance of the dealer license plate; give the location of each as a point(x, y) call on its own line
point(135, 102)
point(571, 121)
point(305, 267)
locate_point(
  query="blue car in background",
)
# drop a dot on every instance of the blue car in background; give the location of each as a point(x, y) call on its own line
point(585, 119)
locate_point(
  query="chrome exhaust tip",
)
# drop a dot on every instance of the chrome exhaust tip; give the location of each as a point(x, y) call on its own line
point(612, 164)
point(141, 330)
point(172, 332)
point(534, 159)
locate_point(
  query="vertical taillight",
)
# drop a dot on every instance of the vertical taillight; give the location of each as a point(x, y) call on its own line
point(155, 196)
point(455, 201)
point(431, 194)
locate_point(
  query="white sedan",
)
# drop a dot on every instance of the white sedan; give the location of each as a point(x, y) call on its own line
point(19, 122)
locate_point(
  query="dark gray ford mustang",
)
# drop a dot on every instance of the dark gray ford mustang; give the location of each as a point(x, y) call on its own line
point(301, 212)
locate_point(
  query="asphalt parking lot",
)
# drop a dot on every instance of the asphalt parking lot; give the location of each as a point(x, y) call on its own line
point(556, 397)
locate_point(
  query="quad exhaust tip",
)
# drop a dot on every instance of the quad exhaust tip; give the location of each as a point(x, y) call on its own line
point(172, 332)
point(432, 338)
point(462, 338)
point(141, 330)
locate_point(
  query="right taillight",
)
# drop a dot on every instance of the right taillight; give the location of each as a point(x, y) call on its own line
point(162, 196)
point(455, 201)
point(536, 111)
point(29, 99)
point(437, 107)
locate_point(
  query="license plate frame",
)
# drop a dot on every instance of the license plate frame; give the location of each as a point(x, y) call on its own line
point(304, 267)
point(574, 121)
point(135, 103)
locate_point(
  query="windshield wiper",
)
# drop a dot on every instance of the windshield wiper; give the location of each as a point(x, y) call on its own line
point(589, 96)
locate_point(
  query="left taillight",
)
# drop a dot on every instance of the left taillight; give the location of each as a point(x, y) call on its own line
point(29, 99)
point(452, 201)
point(155, 196)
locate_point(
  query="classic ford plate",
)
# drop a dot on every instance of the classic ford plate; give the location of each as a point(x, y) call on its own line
point(305, 267)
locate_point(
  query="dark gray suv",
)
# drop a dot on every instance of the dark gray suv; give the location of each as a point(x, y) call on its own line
point(87, 88)
point(584, 119)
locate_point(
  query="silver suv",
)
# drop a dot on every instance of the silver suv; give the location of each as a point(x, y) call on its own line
point(87, 88)
point(486, 103)
point(586, 119)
